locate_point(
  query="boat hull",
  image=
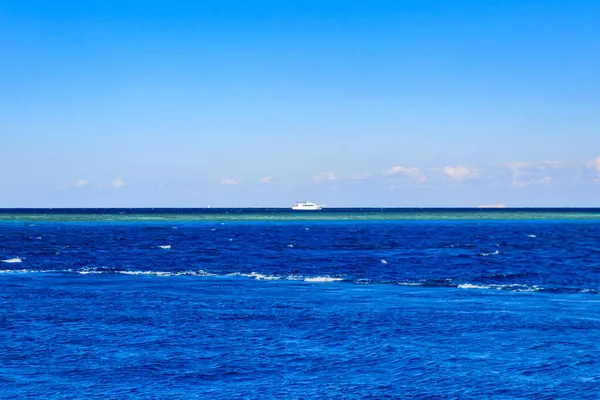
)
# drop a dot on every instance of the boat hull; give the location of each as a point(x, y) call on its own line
point(307, 208)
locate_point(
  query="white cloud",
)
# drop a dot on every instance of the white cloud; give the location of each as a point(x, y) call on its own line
point(81, 183)
point(325, 177)
point(398, 169)
point(412, 173)
point(533, 173)
point(460, 173)
point(117, 183)
point(230, 181)
point(266, 179)
point(594, 165)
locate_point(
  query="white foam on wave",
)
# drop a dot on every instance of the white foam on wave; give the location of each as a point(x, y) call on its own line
point(515, 287)
point(30, 271)
point(199, 272)
point(383, 261)
point(322, 279)
point(290, 245)
point(166, 273)
point(493, 253)
point(87, 271)
point(165, 247)
point(531, 236)
point(13, 260)
point(471, 286)
point(202, 273)
point(256, 276)
point(154, 273)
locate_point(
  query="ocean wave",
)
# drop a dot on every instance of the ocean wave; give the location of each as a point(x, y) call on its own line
point(293, 277)
point(440, 283)
point(87, 271)
point(256, 276)
point(493, 253)
point(471, 286)
point(516, 287)
point(165, 247)
point(27, 271)
point(13, 260)
point(323, 279)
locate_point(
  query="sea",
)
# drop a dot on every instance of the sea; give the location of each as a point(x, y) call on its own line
point(277, 304)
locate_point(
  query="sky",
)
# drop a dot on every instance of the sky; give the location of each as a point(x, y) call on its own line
point(426, 103)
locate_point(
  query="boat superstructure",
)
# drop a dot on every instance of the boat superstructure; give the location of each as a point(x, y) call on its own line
point(307, 205)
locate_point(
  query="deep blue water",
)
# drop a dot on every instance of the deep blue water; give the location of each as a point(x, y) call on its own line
point(300, 309)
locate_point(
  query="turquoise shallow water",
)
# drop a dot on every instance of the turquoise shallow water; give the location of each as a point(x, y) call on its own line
point(266, 214)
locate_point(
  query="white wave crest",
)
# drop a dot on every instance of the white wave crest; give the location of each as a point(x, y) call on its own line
point(471, 286)
point(256, 276)
point(493, 253)
point(13, 260)
point(199, 272)
point(86, 271)
point(383, 261)
point(531, 236)
point(410, 284)
point(322, 279)
point(165, 247)
point(515, 287)
point(29, 271)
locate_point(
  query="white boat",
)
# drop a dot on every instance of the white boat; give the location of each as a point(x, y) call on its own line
point(307, 205)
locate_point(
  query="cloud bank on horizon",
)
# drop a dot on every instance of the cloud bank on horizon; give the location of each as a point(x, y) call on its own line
point(515, 177)
point(516, 174)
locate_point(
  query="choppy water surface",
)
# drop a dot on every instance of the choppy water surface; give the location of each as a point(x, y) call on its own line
point(299, 308)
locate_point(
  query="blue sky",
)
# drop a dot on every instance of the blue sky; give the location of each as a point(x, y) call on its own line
point(348, 103)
